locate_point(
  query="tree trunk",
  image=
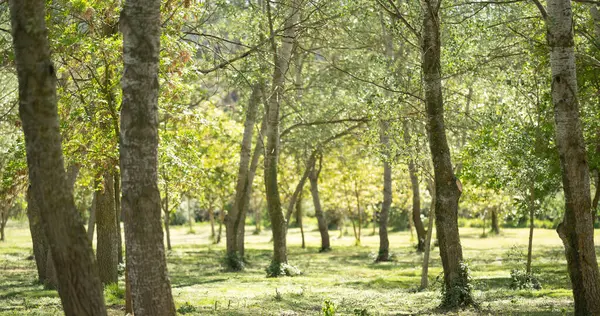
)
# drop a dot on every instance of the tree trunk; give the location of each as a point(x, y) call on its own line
point(576, 230)
point(92, 219)
point(531, 227)
point(51, 281)
point(167, 215)
point(150, 286)
point(446, 184)
point(211, 216)
point(384, 243)
point(38, 236)
point(237, 213)
point(221, 220)
point(258, 150)
point(2, 225)
point(495, 224)
point(427, 243)
point(299, 214)
point(296, 194)
point(314, 191)
point(117, 181)
point(281, 61)
point(359, 211)
point(107, 247)
point(416, 194)
point(79, 286)
point(128, 303)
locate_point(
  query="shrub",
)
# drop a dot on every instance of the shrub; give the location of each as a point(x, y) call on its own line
point(114, 294)
point(521, 280)
point(328, 308)
point(187, 308)
point(233, 262)
point(460, 293)
point(276, 269)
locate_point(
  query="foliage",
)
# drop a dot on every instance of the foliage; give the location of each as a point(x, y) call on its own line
point(329, 308)
point(460, 293)
point(233, 262)
point(522, 280)
point(276, 269)
point(187, 308)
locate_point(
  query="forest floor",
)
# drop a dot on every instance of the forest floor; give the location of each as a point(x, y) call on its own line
point(346, 276)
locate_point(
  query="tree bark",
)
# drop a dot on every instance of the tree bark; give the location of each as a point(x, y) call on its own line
point(531, 227)
point(107, 247)
point(576, 230)
point(92, 220)
point(296, 194)
point(79, 286)
point(446, 184)
point(416, 194)
point(384, 243)
point(495, 224)
point(117, 189)
point(314, 191)
point(299, 214)
point(150, 286)
point(427, 243)
point(38, 236)
point(234, 218)
point(282, 58)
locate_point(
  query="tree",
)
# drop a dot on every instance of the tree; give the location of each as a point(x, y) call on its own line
point(107, 250)
point(282, 57)
point(79, 286)
point(150, 286)
point(576, 230)
point(447, 187)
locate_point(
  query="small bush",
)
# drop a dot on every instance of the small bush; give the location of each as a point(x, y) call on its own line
point(460, 293)
point(328, 308)
point(187, 308)
point(276, 269)
point(233, 262)
point(521, 280)
point(114, 294)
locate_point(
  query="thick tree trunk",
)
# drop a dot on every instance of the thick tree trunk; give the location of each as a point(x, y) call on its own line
point(576, 230)
point(446, 184)
point(79, 286)
point(150, 286)
point(107, 247)
point(282, 61)
point(314, 191)
point(92, 219)
point(237, 213)
point(495, 224)
point(427, 243)
point(51, 281)
point(384, 243)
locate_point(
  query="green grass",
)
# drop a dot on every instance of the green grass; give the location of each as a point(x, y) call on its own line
point(347, 276)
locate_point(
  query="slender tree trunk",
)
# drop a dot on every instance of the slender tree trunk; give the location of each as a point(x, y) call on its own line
point(167, 215)
point(92, 219)
point(79, 286)
point(107, 249)
point(211, 216)
point(191, 219)
point(38, 236)
point(446, 184)
point(495, 224)
point(427, 243)
point(531, 226)
point(299, 214)
point(258, 150)
point(221, 220)
point(117, 187)
point(358, 209)
point(416, 194)
point(384, 243)
point(597, 191)
point(314, 191)
point(296, 194)
point(576, 230)
point(3, 222)
point(234, 218)
point(282, 58)
point(150, 286)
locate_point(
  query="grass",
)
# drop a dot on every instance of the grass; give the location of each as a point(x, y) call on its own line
point(346, 276)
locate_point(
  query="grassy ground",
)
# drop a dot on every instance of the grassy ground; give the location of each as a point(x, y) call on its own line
point(347, 276)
